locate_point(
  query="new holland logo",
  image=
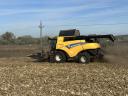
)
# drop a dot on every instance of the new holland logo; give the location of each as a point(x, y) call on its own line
point(74, 45)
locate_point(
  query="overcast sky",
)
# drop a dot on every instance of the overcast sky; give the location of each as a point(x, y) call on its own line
point(89, 16)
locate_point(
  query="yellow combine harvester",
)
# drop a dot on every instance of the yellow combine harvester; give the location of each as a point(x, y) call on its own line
point(70, 45)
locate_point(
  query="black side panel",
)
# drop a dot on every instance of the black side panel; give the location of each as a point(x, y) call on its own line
point(110, 37)
point(69, 39)
point(88, 38)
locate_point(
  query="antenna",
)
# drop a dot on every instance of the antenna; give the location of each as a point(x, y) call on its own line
point(41, 41)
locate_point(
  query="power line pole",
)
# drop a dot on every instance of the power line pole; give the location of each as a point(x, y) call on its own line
point(41, 41)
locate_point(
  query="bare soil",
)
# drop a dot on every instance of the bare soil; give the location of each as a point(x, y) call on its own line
point(22, 76)
point(17, 50)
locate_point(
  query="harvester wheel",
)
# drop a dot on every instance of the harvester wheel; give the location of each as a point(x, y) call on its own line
point(59, 57)
point(84, 58)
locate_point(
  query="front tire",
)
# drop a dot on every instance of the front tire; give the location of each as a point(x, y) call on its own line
point(84, 58)
point(59, 57)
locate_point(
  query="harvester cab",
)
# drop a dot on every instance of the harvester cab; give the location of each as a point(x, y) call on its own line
point(70, 45)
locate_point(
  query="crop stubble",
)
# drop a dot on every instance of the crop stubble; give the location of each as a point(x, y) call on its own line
point(21, 76)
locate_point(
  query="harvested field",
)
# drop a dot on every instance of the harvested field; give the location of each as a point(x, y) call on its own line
point(18, 50)
point(21, 76)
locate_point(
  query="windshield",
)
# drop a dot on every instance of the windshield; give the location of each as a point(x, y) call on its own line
point(52, 43)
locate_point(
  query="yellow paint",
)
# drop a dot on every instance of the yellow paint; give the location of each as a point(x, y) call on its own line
point(73, 51)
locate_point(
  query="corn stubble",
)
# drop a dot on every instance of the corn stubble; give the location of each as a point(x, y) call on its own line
point(24, 77)
point(21, 76)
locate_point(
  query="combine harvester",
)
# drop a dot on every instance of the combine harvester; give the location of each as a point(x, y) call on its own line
point(70, 45)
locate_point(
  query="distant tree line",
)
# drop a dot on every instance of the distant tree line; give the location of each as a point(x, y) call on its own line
point(9, 38)
point(122, 37)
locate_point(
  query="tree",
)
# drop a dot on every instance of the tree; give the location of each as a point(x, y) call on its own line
point(27, 39)
point(9, 36)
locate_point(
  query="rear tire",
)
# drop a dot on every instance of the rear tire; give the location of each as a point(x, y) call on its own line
point(59, 57)
point(84, 58)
